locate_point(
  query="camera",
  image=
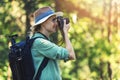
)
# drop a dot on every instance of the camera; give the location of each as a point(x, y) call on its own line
point(60, 21)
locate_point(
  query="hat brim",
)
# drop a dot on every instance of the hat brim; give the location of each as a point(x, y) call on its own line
point(45, 18)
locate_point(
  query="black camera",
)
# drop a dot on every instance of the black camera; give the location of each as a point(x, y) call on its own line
point(60, 21)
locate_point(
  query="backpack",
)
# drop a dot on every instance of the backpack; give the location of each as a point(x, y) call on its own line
point(21, 62)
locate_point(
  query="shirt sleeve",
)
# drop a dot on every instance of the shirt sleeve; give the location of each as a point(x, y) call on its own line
point(50, 49)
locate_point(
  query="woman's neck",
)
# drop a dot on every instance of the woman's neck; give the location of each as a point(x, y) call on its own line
point(45, 33)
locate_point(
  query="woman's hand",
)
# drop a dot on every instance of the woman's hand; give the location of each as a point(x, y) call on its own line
point(66, 27)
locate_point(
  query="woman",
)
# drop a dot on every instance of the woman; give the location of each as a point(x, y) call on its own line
point(45, 25)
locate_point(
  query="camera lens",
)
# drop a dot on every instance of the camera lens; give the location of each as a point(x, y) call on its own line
point(60, 21)
point(67, 20)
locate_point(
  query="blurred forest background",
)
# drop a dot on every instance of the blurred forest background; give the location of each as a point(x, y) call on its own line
point(95, 35)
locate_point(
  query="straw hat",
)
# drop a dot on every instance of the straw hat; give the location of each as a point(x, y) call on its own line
point(42, 14)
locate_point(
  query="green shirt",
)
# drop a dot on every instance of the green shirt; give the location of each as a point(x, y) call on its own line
point(41, 48)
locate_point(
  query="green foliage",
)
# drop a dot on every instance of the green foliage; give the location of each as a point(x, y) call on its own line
point(93, 52)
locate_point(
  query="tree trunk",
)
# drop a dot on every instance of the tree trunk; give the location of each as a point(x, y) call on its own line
point(109, 71)
point(109, 23)
point(29, 7)
point(9, 73)
point(118, 18)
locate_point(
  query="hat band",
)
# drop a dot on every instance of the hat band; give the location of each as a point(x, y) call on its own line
point(43, 15)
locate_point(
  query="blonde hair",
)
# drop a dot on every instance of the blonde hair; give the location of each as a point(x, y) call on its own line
point(34, 29)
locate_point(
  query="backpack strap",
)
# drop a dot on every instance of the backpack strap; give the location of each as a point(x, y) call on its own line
point(43, 64)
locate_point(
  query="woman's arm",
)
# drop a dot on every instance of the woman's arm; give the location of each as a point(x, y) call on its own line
point(68, 44)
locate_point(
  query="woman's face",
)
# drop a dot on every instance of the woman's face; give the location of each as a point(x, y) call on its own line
point(50, 24)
